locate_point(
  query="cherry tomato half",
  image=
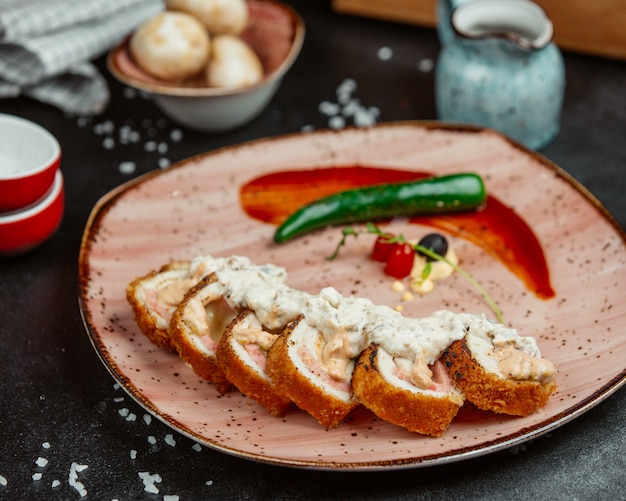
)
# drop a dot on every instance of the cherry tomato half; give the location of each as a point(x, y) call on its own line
point(400, 261)
point(382, 248)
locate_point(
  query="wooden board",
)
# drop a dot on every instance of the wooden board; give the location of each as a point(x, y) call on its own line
point(592, 27)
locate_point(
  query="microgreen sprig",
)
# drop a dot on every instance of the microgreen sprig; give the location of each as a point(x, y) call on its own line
point(371, 228)
point(492, 304)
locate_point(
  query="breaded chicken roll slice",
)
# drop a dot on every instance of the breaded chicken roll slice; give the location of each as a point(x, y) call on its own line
point(294, 365)
point(410, 394)
point(197, 326)
point(498, 370)
point(155, 296)
point(242, 355)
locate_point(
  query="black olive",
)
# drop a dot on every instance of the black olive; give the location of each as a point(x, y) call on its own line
point(434, 242)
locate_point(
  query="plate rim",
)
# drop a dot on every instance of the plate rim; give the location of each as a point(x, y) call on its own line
point(462, 453)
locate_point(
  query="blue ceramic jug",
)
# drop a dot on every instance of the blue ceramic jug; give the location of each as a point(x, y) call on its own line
point(499, 68)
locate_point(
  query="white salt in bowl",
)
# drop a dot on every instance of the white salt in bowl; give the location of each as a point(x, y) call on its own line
point(275, 32)
point(29, 160)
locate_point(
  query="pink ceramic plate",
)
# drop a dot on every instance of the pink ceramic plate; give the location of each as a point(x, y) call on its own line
point(193, 208)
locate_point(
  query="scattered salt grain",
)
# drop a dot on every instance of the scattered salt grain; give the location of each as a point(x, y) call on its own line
point(75, 469)
point(37, 476)
point(169, 440)
point(345, 90)
point(147, 418)
point(130, 93)
point(108, 143)
point(116, 386)
point(131, 417)
point(150, 146)
point(351, 108)
point(366, 117)
point(209, 482)
point(173, 497)
point(41, 462)
point(46, 445)
point(152, 440)
point(55, 483)
point(128, 135)
point(307, 128)
point(127, 167)
point(385, 53)
point(133, 454)
point(329, 109)
point(3, 481)
point(123, 412)
point(103, 128)
point(162, 148)
point(118, 399)
point(426, 65)
point(149, 481)
point(348, 107)
point(164, 162)
point(336, 122)
point(176, 135)
point(197, 447)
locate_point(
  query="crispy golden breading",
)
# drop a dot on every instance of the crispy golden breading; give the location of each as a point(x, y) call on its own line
point(328, 409)
point(204, 317)
point(423, 412)
point(241, 374)
point(150, 323)
point(195, 354)
point(489, 391)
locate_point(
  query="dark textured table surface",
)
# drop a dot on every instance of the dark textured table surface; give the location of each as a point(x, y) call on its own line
point(62, 416)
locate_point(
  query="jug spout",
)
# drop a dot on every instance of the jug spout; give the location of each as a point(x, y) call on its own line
point(519, 21)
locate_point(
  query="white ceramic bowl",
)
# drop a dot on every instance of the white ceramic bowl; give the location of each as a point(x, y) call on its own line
point(24, 229)
point(29, 159)
point(275, 32)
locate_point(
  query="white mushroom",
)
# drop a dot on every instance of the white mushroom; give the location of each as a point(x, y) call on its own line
point(171, 46)
point(218, 16)
point(232, 63)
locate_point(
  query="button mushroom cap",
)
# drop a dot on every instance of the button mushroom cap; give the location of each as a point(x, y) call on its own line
point(218, 16)
point(172, 46)
point(232, 63)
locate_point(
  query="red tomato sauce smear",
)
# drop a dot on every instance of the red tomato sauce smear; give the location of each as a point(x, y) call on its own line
point(496, 228)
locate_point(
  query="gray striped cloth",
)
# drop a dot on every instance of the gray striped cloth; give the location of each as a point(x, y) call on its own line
point(46, 47)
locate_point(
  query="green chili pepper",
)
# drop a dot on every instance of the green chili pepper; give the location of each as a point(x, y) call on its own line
point(433, 195)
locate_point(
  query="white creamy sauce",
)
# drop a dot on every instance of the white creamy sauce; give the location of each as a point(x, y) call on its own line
point(502, 351)
point(438, 271)
point(349, 324)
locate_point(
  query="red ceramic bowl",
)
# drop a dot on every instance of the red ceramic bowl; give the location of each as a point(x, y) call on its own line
point(29, 159)
point(24, 229)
